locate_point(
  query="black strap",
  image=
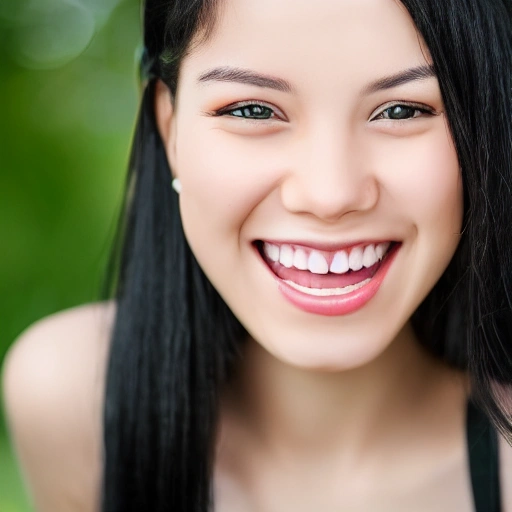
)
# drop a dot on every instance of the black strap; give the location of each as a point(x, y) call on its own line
point(483, 460)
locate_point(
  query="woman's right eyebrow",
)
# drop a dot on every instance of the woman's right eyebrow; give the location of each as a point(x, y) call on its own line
point(245, 76)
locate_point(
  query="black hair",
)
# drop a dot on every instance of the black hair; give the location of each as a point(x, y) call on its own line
point(175, 340)
point(467, 318)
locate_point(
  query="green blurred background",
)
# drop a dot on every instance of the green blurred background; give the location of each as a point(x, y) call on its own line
point(68, 97)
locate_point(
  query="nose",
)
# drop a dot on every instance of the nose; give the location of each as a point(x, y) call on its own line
point(329, 178)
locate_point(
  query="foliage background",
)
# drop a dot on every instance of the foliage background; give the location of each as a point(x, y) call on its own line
point(68, 99)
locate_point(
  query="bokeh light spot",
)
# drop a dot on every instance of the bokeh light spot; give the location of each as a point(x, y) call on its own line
point(52, 33)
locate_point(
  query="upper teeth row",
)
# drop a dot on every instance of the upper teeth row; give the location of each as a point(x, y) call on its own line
point(316, 261)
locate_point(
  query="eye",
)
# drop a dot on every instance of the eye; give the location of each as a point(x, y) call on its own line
point(251, 112)
point(403, 112)
point(248, 110)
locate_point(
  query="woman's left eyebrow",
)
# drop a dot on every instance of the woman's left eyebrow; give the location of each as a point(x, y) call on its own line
point(401, 78)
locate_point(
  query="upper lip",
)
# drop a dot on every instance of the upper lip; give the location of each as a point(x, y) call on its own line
point(329, 246)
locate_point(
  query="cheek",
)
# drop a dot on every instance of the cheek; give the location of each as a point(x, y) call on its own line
point(425, 183)
point(222, 183)
point(426, 190)
point(224, 176)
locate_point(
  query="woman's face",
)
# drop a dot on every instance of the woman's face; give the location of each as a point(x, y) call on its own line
point(321, 191)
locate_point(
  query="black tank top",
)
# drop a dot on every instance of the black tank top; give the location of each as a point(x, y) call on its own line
point(483, 453)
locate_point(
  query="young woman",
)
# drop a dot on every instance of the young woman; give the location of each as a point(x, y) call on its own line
point(313, 277)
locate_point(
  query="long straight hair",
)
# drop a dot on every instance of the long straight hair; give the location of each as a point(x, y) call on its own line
point(175, 340)
point(467, 319)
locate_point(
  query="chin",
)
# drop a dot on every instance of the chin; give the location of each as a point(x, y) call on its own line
point(324, 350)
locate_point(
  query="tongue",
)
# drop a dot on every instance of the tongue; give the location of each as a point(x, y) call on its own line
point(310, 280)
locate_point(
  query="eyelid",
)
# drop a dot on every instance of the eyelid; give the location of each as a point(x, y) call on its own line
point(411, 104)
point(240, 104)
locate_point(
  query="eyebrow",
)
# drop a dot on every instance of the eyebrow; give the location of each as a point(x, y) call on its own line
point(401, 78)
point(244, 76)
point(247, 77)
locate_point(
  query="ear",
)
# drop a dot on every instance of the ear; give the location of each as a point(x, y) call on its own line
point(165, 121)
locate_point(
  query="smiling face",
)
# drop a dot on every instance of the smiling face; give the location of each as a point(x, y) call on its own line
point(321, 192)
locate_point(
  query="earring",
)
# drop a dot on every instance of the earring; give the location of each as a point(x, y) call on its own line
point(176, 185)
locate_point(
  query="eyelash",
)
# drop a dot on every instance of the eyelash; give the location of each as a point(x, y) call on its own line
point(230, 109)
point(415, 107)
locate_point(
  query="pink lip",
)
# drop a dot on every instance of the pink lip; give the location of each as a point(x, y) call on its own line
point(326, 247)
point(338, 305)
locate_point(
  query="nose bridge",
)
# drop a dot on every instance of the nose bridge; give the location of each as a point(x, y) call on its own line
point(329, 176)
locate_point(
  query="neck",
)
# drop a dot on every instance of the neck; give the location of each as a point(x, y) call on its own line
point(292, 410)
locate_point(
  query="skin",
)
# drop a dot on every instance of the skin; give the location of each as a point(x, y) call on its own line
point(324, 172)
point(362, 416)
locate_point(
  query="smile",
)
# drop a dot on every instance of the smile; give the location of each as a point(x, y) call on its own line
point(328, 282)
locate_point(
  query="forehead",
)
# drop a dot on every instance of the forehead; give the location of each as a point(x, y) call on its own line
point(312, 39)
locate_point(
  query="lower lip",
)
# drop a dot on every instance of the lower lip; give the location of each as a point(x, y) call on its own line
point(338, 305)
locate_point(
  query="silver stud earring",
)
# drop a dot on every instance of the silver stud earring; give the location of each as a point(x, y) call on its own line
point(176, 185)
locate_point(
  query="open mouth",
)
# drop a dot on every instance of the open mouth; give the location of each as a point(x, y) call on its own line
point(324, 273)
point(315, 279)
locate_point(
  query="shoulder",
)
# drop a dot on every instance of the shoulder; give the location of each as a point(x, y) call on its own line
point(53, 382)
point(506, 474)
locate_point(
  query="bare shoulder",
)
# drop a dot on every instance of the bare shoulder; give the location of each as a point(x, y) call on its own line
point(53, 382)
point(506, 474)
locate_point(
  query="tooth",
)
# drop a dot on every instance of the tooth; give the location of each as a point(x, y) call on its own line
point(339, 264)
point(369, 256)
point(317, 264)
point(271, 251)
point(355, 260)
point(381, 249)
point(328, 292)
point(286, 256)
point(300, 259)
